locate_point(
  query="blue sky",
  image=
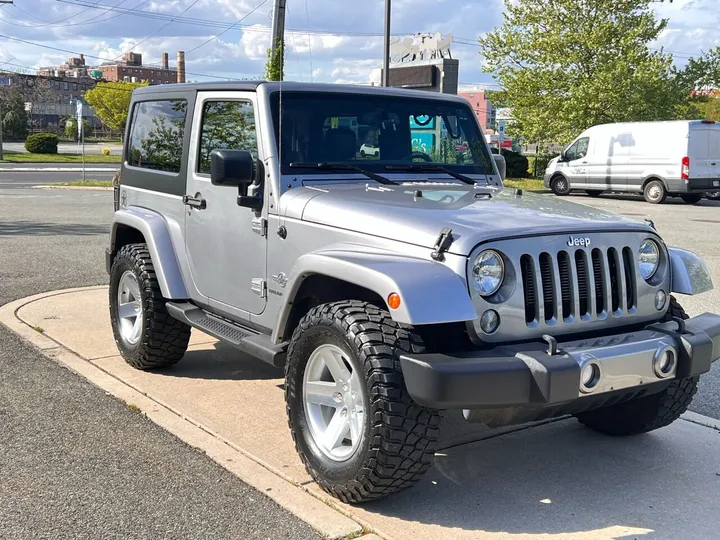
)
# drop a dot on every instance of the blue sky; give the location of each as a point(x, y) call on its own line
point(346, 53)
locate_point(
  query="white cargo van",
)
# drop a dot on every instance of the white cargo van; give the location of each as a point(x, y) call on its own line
point(658, 159)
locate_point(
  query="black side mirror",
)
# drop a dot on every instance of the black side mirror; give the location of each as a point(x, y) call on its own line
point(232, 168)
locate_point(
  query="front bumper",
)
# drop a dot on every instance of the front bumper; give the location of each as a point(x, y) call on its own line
point(527, 376)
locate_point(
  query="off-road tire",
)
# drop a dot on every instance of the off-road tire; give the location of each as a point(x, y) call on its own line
point(691, 198)
point(164, 340)
point(560, 185)
point(400, 435)
point(652, 187)
point(647, 413)
point(594, 192)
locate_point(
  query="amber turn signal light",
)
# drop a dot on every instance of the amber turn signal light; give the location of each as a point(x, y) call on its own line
point(393, 300)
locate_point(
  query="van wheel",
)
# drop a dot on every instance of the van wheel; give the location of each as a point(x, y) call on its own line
point(560, 186)
point(355, 427)
point(654, 192)
point(691, 198)
point(594, 192)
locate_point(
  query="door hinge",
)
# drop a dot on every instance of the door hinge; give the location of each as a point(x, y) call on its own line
point(259, 226)
point(259, 287)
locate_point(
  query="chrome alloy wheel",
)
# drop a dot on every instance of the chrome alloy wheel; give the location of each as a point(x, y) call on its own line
point(334, 402)
point(129, 307)
point(655, 192)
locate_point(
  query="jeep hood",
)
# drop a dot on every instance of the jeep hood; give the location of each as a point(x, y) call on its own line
point(416, 213)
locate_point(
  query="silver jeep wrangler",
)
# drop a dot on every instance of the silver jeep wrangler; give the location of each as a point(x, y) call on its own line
point(389, 285)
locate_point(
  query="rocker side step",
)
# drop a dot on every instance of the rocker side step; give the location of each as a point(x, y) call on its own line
point(246, 339)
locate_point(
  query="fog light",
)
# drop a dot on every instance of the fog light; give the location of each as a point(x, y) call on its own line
point(660, 299)
point(489, 321)
point(589, 377)
point(664, 362)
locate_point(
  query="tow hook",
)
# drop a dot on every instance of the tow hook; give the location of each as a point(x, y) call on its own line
point(552, 345)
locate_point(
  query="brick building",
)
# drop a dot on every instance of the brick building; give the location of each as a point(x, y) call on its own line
point(68, 81)
point(131, 69)
point(484, 109)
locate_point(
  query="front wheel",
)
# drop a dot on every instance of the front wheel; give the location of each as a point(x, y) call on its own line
point(145, 334)
point(560, 186)
point(355, 427)
point(647, 413)
point(713, 196)
point(362, 153)
point(691, 198)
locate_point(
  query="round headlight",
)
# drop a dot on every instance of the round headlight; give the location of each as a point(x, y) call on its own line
point(648, 258)
point(488, 272)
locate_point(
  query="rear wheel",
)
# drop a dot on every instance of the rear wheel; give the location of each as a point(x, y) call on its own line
point(355, 427)
point(146, 335)
point(560, 186)
point(655, 192)
point(594, 192)
point(647, 413)
point(691, 198)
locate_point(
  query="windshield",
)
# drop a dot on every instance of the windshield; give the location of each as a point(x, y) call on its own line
point(373, 131)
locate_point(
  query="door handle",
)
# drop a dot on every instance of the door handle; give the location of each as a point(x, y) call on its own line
point(584, 162)
point(196, 201)
point(712, 163)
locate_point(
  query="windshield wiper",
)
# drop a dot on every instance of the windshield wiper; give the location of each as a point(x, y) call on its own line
point(431, 167)
point(344, 167)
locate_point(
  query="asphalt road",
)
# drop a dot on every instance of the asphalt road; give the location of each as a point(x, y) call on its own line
point(23, 179)
point(76, 463)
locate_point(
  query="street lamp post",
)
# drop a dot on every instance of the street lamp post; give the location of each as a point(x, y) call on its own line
point(386, 57)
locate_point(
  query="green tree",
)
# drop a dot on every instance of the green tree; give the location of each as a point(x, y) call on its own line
point(565, 65)
point(701, 74)
point(111, 101)
point(14, 119)
point(71, 127)
point(275, 62)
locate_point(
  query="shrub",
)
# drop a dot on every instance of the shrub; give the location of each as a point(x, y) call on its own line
point(42, 143)
point(516, 165)
point(105, 151)
point(538, 164)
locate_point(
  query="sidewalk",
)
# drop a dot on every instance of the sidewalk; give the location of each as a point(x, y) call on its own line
point(556, 480)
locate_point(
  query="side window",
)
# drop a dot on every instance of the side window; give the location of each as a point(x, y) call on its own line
point(578, 149)
point(156, 136)
point(226, 124)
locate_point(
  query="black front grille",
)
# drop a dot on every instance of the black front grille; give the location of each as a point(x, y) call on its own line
point(591, 282)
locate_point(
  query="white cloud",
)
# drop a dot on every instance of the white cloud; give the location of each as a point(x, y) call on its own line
point(348, 52)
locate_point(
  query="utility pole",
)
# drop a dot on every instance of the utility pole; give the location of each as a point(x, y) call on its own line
point(386, 57)
point(278, 32)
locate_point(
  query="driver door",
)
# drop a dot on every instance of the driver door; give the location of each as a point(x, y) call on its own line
point(576, 163)
point(225, 243)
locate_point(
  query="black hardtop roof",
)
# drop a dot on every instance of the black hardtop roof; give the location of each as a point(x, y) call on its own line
point(287, 86)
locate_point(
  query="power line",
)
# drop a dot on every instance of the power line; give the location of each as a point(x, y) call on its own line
point(156, 66)
point(157, 31)
point(307, 19)
point(253, 10)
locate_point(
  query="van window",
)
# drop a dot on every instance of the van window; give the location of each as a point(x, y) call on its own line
point(156, 135)
point(578, 149)
point(226, 124)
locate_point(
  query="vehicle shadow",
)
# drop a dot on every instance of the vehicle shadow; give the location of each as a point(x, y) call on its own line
point(673, 201)
point(218, 361)
point(40, 228)
point(561, 478)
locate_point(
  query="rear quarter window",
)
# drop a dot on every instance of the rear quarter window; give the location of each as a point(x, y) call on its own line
point(156, 135)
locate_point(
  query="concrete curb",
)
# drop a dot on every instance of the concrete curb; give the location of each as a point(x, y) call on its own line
point(326, 519)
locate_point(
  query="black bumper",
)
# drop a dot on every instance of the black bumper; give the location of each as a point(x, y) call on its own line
point(527, 376)
point(702, 185)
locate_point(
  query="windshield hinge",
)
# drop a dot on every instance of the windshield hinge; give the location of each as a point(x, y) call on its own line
point(442, 244)
point(259, 226)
